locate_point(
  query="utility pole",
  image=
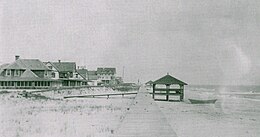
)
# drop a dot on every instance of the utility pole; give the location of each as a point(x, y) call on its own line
point(123, 75)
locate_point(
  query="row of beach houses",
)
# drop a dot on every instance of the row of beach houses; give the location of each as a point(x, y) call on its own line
point(35, 74)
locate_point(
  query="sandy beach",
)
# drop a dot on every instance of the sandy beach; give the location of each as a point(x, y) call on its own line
point(229, 117)
point(92, 117)
point(102, 117)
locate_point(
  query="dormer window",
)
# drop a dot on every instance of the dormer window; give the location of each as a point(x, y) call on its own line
point(8, 72)
point(16, 72)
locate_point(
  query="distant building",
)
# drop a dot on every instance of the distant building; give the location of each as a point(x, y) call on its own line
point(149, 83)
point(93, 78)
point(106, 75)
point(119, 80)
point(83, 72)
point(67, 73)
point(26, 73)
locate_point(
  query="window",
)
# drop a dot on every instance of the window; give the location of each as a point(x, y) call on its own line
point(53, 75)
point(16, 72)
point(77, 76)
point(50, 67)
point(8, 72)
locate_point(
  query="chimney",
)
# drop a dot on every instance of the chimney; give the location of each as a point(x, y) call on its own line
point(59, 61)
point(17, 57)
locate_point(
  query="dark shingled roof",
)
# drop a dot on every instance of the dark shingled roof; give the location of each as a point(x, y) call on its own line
point(168, 79)
point(32, 64)
point(28, 74)
point(83, 72)
point(64, 66)
point(106, 70)
point(2, 67)
point(92, 75)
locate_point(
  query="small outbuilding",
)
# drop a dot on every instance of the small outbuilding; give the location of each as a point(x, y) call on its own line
point(169, 86)
point(149, 83)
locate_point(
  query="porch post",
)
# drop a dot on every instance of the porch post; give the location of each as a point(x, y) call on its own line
point(167, 91)
point(153, 90)
point(181, 92)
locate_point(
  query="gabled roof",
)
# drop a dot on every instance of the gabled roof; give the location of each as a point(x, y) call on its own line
point(92, 72)
point(2, 67)
point(149, 82)
point(92, 75)
point(106, 70)
point(64, 66)
point(168, 79)
point(32, 64)
point(28, 74)
point(83, 72)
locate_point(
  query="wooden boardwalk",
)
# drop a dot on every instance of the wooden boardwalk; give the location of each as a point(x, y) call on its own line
point(99, 95)
point(144, 119)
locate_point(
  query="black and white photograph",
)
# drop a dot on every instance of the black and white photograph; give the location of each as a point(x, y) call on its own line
point(129, 68)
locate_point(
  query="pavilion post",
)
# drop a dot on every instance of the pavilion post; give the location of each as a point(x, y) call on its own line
point(167, 91)
point(181, 92)
point(153, 90)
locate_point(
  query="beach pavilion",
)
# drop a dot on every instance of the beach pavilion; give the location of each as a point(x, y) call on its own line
point(168, 86)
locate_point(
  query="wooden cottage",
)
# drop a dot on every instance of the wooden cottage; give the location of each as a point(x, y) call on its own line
point(67, 73)
point(26, 74)
point(168, 86)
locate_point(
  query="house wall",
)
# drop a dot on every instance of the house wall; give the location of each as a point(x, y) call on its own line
point(54, 73)
point(66, 74)
point(14, 73)
point(107, 78)
point(93, 83)
point(28, 84)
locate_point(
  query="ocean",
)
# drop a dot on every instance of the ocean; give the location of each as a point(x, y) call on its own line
point(230, 99)
point(240, 91)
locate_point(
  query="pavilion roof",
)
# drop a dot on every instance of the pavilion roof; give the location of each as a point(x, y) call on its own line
point(149, 82)
point(168, 79)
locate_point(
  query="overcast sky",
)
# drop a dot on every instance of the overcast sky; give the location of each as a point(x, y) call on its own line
point(199, 42)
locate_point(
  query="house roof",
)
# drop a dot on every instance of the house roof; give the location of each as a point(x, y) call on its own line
point(28, 74)
point(64, 66)
point(92, 75)
point(2, 67)
point(127, 84)
point(168, 79)
point(83, 72)
point(32, 64)
point(106, 70)
point(92, 72)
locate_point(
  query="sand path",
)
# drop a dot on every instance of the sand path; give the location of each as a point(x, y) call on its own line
point(144, 119)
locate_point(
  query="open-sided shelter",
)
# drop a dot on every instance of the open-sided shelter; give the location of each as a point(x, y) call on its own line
point(169, 80)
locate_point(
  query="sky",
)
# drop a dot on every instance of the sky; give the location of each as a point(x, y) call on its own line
point(199, 42)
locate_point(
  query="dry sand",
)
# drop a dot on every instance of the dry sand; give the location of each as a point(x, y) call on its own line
point(92, 117)
point(100, 117)
point(229, 117)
